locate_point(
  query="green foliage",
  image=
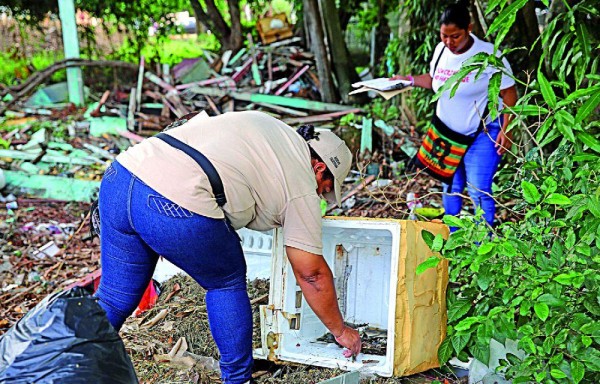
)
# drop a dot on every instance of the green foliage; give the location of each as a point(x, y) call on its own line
point(535, 280)
point(569, 42)
point(169, 51)
point(412, 51)
point(132, 17)
point(11, 66)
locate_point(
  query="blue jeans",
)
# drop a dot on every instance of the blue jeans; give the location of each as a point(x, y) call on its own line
point(476, 172)
point(137, 225)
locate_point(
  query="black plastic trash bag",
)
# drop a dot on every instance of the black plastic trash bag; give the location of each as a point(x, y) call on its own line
point(66, 338)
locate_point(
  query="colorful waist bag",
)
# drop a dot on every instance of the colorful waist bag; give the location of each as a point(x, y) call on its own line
point(442, 150)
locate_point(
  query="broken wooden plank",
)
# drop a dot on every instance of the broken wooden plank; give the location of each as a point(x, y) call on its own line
point(315, 79)
point(160, 82)
point(269, 85)
point(270, 66)
point(131, 110)
point(53, 187)
point(212, 105)
point(99, 151)
point(319, 118)
point(255, 71)
point(229, 106)
point(170, 106)
point(294, 102)
point(166, 73)
point(29, 156)
point(216, 80)
point(138, 89)
point(131, 136)
point(96, 111)
point(245, 68)
point(237, 56)
point(279, 108)
point(285, 42)
point(225, 58)
point(366, 136)
point(291, 81)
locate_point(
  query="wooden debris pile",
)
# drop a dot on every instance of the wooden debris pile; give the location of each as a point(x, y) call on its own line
point(44, 145)
point(278, 79)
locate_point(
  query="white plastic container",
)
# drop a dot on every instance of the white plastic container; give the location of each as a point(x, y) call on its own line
point(373, 261)
point(257, 247)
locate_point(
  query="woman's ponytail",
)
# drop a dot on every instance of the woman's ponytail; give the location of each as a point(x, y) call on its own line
point(307, 131)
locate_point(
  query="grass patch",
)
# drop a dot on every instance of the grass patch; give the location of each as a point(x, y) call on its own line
point(15, 70)
point(170, 50)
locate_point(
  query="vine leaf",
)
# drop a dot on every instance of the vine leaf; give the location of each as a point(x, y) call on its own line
point(541, 310)
point(588, 107)
point(557, 199)
point(445, 351)
point(530, 192)
point(577, 371)
point(458, 310)
point(432, 262)
point(547, 92)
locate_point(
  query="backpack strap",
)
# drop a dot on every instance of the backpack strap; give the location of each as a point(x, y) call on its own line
point(213, 176)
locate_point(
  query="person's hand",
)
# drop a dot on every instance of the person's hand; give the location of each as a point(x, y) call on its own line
point(400, 77)
point(350, 339)
point(503, 142)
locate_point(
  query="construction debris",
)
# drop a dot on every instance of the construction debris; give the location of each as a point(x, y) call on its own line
point(53, 155)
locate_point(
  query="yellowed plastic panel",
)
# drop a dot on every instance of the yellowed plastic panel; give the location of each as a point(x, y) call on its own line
point(420, 302)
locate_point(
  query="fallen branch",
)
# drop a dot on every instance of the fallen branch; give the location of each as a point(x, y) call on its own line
point(24, 292)
point(259, 299)
point(22, 90)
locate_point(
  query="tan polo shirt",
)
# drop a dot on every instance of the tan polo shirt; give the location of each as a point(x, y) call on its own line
point(263, 163)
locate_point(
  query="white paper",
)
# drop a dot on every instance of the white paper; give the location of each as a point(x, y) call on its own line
point(383, 84)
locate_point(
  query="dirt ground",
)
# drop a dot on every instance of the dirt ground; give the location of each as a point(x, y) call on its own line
point(26, 276)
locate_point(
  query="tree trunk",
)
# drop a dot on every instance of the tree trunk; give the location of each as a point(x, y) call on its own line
point(526, 32)
point(230, 36)
point(527, 20)
point(236, 37)
point(382, 34)
point(480, 26)
point(317, 42)
point(347, 9)
point(341, 60)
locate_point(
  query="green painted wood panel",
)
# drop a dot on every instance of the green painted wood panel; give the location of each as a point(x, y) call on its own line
point(53, 187)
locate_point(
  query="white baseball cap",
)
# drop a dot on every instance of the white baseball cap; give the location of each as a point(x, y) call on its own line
point(338, 158)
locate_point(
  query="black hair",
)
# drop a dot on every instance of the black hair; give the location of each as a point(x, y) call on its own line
point(180, 121)
point(307, 131)
point(457, 14)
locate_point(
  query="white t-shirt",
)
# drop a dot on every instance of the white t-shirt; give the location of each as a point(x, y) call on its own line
point(462, 113)
point(263, 163)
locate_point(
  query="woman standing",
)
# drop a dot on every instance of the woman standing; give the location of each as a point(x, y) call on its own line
point(157, 199)
point(463, 112)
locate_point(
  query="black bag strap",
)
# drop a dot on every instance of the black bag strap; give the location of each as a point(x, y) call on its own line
point(213, 176)
point(438, 60)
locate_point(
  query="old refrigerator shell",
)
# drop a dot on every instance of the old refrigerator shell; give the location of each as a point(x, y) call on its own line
point(374, 262)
